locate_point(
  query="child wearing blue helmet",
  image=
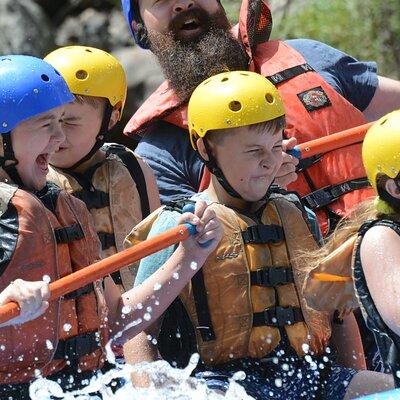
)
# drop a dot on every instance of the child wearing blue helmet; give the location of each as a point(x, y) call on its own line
point(47, 234)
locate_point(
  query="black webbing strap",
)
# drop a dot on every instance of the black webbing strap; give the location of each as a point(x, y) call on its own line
point(80, 292)
point(107, 240)
point(69, 233)
point(278, 316)
point(260, 234)
point(271, 276)
point(134, 168)
point(74, 348)
point(327, 195)
point(289, 73)
point(93, 198)
point(203, 312)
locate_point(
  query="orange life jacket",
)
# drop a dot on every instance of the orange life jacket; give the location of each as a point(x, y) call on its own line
point(50, 234)
point(330, 185)
point(249, 290)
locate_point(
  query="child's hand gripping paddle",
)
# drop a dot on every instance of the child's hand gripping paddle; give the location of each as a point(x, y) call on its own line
point(108, 265)
point(190, 208)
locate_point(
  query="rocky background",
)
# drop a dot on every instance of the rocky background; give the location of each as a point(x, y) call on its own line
point(38, 27)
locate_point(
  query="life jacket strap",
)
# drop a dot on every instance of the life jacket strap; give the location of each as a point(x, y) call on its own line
point(261, 234)
point(93, 198)
point(80, 292)
point(289, 73)
point(69, 233)
point(74, 348)
point(278, 316)
point(107, 240)
point(322, 197)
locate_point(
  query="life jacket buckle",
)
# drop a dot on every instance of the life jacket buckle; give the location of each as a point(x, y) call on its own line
point(272, 276)
point(278, 316)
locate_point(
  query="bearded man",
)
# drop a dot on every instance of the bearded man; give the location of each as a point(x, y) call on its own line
point(324, 91)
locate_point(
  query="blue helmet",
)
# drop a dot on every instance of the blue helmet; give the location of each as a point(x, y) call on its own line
point(131, 12)
point(28, 86)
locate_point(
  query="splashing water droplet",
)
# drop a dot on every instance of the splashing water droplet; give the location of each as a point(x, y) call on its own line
point(175, 275)
point(305, 347)
point(49, 345)
point(147, 317)
point(157, 286)
point(193, 265)
point(46, 278)
point(126, 309)
point(278, 382)
point(67, 327)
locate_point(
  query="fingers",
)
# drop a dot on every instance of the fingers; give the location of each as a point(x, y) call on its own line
point(287, 171)
point(199, 218)
point(31, 298)
point(289, 144)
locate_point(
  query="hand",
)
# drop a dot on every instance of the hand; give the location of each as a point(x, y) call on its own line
point(287, 172)
point(31, 297)
point(208, 229)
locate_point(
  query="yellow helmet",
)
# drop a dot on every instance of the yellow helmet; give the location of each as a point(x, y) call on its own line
point(381, 148)
point(91, 72)
point(231, 100)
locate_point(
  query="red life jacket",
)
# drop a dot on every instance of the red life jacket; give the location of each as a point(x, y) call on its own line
point(50, 236)
point(330, 185)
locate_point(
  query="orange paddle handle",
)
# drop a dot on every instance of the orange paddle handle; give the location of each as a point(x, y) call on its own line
point(330, 142)
point(106, 266)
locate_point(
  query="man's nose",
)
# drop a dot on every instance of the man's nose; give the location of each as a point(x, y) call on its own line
point(183, 5)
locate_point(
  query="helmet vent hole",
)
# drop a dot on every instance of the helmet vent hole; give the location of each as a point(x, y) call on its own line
point(224, 79)
point(57, 72)
point(45, 78)
point(207, 81)
point(269, 98)
point(244, 74)
point(81, 75)
point(5, 59)
point(235, 106)
point(89, 51)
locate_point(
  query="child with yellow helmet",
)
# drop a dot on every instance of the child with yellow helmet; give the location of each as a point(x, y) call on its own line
point(358, 265)
point(118, 188)
point(244, 309)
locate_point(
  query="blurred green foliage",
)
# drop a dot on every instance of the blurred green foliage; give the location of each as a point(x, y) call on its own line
point(366, 29)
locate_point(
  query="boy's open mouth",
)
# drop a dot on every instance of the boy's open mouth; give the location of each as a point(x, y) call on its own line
point(42, 161)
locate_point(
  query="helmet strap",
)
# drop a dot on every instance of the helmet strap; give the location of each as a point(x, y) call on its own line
point(211, 164)
point(100, 138)
point(10, 156)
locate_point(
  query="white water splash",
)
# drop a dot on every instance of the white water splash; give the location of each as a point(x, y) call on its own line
point(167, 383)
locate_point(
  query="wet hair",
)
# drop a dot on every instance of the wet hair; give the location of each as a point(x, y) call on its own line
point(95, 102)
point(272, 126)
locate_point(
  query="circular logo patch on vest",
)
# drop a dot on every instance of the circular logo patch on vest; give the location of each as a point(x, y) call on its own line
point(314, 99)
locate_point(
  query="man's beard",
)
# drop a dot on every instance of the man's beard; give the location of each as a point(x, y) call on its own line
point(188, 63)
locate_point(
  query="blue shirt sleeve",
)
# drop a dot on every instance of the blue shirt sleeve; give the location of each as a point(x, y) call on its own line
point(355, 80)
point(150, 264)
point(177, 168)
